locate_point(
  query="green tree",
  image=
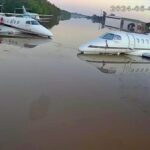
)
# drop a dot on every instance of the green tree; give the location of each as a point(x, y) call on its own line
point(37, 6)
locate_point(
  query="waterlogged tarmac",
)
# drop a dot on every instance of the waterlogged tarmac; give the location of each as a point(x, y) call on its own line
point(52, 98)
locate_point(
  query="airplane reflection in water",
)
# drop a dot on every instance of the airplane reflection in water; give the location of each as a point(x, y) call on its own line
point(24, 42)
point(114, 64)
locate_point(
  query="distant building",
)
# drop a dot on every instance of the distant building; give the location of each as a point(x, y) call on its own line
point(126, 24)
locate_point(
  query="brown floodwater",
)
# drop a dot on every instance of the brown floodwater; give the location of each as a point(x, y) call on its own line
point(52, 98)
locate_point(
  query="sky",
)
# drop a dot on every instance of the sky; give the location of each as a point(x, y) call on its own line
point(89, 7)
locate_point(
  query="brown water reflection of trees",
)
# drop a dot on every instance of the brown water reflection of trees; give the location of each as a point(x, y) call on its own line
point(55, 21)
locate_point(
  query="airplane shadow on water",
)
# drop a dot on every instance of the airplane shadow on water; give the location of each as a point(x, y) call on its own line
point(114, 64)
point(28, 42)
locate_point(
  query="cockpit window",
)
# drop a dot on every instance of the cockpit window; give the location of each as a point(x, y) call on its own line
point(108, 36)
point(117, 37)
point(27, 22)
point(34, 23)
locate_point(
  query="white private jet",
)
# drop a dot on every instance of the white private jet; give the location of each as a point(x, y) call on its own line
point(117, 42)
point(24, 25)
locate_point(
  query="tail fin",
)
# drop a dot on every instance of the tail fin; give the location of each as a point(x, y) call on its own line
point(24, 10)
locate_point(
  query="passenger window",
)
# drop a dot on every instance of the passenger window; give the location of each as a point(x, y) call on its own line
point(147, 41)
point(108, 36)
point(142, 41)
point(117, 37)
point(138, 41)
point(17, 22)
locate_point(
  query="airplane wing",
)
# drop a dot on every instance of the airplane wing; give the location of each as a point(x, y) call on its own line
point(41, 18)
point(41, 15)
point(13, 14)
point(16, 14)
point(45, 18)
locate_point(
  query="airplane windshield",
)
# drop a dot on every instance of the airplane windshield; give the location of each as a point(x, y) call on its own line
point(34, 23)
point(117, 37)
point(27, 22)
point(108, 36)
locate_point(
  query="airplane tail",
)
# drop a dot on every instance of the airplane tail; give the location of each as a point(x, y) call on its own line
point(24, 10)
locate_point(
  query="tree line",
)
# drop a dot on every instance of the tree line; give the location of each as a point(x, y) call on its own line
point(36, 6)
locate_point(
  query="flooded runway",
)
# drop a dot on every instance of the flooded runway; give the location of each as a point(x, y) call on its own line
point(52, 98)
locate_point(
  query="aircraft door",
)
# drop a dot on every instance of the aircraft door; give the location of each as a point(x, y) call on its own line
point(131, 42)
point(28, 25)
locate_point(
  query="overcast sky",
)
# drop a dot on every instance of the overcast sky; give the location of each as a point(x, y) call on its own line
point(90, 7)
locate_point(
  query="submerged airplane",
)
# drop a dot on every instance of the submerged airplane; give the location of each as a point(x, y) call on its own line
point(118, 42)
point(24, 25)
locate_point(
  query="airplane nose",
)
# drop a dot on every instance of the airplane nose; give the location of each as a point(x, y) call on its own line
point(50, 34)
point(83, 48)
point(45, 32)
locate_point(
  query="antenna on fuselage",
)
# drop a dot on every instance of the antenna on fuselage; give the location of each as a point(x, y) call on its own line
point(1, 8)
point(102, 19)
point(100, 25)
